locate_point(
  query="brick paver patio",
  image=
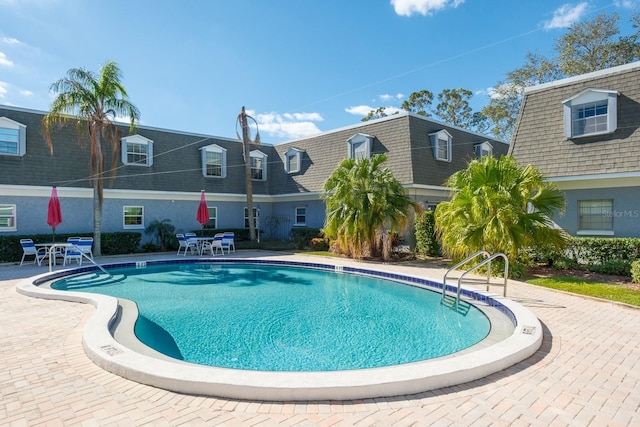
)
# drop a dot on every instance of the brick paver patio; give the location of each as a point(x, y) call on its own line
point(587, 372)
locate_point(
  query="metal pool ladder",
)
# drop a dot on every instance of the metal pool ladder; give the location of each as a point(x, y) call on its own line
point(487, 261)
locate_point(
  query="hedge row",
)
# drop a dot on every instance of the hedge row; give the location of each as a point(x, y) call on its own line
point(111, 243)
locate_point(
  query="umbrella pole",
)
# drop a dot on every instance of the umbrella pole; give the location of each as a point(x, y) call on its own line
point(53, 234)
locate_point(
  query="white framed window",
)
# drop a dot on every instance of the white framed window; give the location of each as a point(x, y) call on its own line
point(13, 137)
point(133, 217)
point(595, 217)
point(212, 224)
point(591, 112)
point(359, 146)
point(8, 218)
point(441, 145)
point(214, 161)
point(256, 217)
point(301, 216)
point(292, 160)
point(483, 150)
point(137, 150)
point(258, 165)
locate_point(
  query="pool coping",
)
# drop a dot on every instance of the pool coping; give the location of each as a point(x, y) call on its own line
point(112, 355)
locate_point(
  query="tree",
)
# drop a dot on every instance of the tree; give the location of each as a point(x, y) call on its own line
point(498, 206)
point(378, 113)
point(587, 46)
point(162, 230)
point(453, 108)
point(419, 103)
point(365, 204)
point(93, 102)
point(246, 140)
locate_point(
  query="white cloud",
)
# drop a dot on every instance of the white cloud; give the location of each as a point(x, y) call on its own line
point(625, 4)
point(363, 110)
point(3, 89)
point(359, 110)
point(388, 97)
point(288, 125)
point(26, 93)
point(4, 62)
point(423, 7)
point(566, 15)
point(10, 41)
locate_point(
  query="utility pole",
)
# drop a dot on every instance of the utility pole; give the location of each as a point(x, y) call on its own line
point(246, 140)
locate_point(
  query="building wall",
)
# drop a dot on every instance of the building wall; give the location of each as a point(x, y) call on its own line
point(626, 210)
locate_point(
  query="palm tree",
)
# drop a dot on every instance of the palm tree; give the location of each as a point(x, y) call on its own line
point(364, 205)
point(94, 102)
point(498, 206)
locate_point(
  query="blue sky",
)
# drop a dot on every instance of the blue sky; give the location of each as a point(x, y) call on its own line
point(300, 67)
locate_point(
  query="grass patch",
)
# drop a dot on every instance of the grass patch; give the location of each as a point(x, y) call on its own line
point(591, 288)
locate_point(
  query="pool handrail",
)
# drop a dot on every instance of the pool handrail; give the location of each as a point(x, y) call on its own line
point(71, 245)
point(464, 261)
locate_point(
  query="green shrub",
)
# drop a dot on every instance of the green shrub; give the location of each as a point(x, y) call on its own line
point(615, 266)
point(426, 242)
point(635, 271)
point(120, 243)
point(563, 263)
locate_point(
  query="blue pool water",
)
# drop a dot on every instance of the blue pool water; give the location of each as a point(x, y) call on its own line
point(279, 318)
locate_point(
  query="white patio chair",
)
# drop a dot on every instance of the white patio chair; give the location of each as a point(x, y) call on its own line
point(72, 253)
point(185, 245)
point(228, 241)
point(85, 244)
point(29, 248)
point(217, 243)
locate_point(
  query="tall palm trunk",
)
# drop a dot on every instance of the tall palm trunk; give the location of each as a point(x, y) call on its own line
point(97, 170)
point(247, 173)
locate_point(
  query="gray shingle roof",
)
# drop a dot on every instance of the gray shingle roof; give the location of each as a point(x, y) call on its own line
point(404, 138)
point(539, 136)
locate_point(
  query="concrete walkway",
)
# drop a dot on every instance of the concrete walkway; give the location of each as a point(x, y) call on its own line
point(587, 372)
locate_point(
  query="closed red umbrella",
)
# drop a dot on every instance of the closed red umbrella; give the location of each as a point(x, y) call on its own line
point(203, 211)
point(54, 214)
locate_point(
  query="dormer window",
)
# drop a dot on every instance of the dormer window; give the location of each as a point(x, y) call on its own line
point(258, 165)
point(441, 145)
point(13, 138)
point(483, 150)
point(591, 112)
point(292, 160)
point(214, 161)
point(137, 150)
point(359, 146)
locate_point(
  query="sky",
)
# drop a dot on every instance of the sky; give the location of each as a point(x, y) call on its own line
point(300, 67)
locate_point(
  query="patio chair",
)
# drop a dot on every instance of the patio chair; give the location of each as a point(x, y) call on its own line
point(206, 246)
point(85, 244)
point(228, 241)
point(217, 243)
point(29, 248)
point(72, 253)
point(185, 245)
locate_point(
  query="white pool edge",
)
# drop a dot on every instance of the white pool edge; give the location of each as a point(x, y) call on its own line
point(106, 352)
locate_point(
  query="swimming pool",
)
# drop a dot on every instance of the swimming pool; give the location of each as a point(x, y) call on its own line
point(109, 341)
point(283, 318)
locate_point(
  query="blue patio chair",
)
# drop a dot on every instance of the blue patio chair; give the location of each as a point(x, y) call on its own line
point(29, 248)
